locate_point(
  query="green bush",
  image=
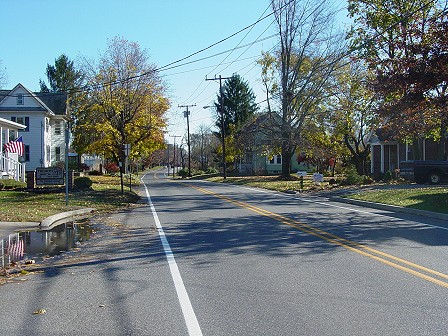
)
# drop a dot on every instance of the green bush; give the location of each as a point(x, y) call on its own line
point(212, 170)
point(183, 173)
point(82, 182)
point(352, 177)
point(387, 177)
point(195, 172)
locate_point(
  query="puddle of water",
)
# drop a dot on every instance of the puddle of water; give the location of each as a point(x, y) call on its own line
point(35, 245)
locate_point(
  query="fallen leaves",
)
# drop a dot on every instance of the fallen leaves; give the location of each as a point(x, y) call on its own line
point(39, 311)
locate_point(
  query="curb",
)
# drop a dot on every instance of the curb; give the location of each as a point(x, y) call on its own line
point(49, 222)
point(395, 208)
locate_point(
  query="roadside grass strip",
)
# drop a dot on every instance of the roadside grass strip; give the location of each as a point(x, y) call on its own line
point(422, 272)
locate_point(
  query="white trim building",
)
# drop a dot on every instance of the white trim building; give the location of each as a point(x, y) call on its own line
point(45, 117)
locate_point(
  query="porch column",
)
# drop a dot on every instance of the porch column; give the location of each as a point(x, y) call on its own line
point(6, 136)
point(382, 159)
point(1, 139)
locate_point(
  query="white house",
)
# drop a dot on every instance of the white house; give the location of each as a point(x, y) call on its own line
point(10, 167)
point(45, 117)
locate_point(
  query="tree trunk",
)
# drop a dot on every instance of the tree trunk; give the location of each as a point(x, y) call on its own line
point(286, 146)
point(286, 160)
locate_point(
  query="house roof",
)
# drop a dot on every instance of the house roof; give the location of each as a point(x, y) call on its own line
point(3, 94)
point(382, 135)
point(54, 102)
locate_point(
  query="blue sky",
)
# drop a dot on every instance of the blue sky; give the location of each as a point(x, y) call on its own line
point(36, 32)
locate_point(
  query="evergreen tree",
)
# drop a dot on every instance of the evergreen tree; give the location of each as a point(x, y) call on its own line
point(62, 76)
point(238, 104)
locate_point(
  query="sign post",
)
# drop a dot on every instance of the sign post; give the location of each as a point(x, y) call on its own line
point(127, 151)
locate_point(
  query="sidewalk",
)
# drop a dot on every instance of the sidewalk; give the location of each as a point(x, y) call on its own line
point(7, 228)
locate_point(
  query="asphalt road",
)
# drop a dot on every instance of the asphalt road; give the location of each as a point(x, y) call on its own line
point(216, 259)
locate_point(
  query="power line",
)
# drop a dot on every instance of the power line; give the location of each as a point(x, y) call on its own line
point(90, 87)
point(225, 39)
point(235, 48)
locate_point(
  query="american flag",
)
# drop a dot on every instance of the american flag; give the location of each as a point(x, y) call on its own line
point(16, 249)
point(15, 146)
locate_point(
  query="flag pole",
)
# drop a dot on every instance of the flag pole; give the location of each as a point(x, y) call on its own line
point(66, 163)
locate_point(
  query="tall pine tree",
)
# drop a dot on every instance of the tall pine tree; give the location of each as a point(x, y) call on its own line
point(238, 105)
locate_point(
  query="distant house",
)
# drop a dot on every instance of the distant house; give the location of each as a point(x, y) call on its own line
point(387, 152)
point(45, 117)
point(258, 139)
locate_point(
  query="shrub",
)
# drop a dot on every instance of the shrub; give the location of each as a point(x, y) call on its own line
point(111, 167)
point(183, 173)
point(352, 177)
point(197, 172)
point(82, 182)
point(95, 173)
point(387, 177)
point(212, 170)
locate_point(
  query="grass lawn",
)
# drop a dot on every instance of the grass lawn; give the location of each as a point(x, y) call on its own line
point(271, 183)
point(430, 199)
point(24, 206)
point(105, 195)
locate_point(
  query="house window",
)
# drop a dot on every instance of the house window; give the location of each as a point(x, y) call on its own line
point(12, 135)
point(20, 99)
point(57, 154)
point(276, 159)
point(57, 128)
point(24, 121)
point(26, 154)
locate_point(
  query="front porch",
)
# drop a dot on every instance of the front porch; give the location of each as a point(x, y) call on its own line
point(10, 167)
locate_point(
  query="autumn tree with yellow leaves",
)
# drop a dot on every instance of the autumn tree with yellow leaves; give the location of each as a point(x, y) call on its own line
point(125, 103)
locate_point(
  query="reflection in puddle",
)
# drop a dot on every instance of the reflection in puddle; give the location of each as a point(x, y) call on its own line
point(38, 244)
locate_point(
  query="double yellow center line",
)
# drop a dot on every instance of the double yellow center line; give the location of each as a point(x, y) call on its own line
point(385, 258)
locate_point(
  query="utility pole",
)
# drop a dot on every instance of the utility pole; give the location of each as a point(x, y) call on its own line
point(168, 157)
point(186, 115)
point(174, 150)
point(223, 138)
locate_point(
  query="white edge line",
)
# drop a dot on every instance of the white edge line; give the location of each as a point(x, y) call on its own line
point(187, 309)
